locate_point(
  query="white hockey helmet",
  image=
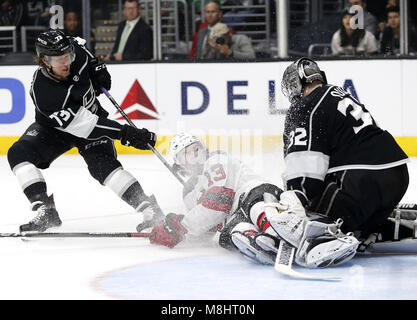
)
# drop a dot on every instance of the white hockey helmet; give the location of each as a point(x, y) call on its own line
point(188, 151)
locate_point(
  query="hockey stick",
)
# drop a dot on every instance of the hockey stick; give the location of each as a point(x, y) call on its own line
point(76, 235)
point(284, 260)
point(407, 206)
point(148, 145)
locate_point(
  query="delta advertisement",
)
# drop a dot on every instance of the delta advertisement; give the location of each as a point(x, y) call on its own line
point(230, 101)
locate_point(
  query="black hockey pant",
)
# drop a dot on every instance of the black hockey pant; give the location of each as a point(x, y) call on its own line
point(362, 198)
point(41, 145)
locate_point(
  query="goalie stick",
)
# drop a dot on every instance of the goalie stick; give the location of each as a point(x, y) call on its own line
point(76, 235)
point(407, 206)
point(283, 264)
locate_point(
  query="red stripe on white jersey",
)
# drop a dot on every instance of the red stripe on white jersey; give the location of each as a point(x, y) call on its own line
point(217, 206)
point(224, 194)
point(223, 190)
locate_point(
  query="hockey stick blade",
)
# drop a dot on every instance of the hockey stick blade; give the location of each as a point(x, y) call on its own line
point(407, 206)
point(283, 263)
point(76, 235)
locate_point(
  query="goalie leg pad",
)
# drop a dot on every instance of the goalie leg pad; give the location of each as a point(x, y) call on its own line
point(287, 217)
point(288, 225)
point(324, 245)
point(244, 236)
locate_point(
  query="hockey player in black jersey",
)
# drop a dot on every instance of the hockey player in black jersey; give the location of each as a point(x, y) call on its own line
point(64, 90)
point(336, 155)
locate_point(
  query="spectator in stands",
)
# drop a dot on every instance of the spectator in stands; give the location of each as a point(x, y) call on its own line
point(383, 24)
point(12, 13)
point(72, 27)
point(348, 41)
point(224, 45)
point(72, 24)
point(390, 40)
point(212, 15)
point(134, 40)
point(370, 21)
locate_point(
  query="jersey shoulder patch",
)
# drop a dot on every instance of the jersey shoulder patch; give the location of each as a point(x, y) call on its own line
point(339, 92)
point(80, 41)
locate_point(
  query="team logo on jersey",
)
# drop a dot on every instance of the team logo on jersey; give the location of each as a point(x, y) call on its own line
point(137, 105)
point(32, 133)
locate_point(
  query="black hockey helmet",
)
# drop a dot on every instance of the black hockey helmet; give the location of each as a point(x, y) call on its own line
point(53, 42)
point(297, 75)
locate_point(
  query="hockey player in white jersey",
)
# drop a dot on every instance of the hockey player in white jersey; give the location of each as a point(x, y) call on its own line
point(222, 190)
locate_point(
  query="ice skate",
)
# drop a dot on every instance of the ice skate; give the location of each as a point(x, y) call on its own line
point(46, 218)
point(152, 214)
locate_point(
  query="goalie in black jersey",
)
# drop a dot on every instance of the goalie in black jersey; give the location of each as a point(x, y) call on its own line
point(345, 164)
point(64, 90)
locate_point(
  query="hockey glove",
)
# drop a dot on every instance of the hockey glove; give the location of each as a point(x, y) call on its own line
point(169, 233)
point(137, 138)
point(100, 77)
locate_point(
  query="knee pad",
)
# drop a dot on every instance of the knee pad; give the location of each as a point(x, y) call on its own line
point(21, 152)
point(101, 167)
point(257, 194)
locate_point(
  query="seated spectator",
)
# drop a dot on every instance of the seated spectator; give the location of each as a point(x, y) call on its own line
point(348, 41)
point(212, 16)
point(224, 45)
point(72, 27)
point(134, 40)
point(370, 21)
point(12, 13)
point(383, 23)
point(390, 40)
point(72, 24)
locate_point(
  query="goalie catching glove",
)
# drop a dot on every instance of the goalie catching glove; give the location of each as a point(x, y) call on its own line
point(170, 232)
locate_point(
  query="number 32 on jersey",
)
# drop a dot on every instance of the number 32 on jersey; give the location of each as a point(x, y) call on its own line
point(297, 137)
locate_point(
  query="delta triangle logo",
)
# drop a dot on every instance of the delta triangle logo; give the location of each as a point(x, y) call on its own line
point(137, 105)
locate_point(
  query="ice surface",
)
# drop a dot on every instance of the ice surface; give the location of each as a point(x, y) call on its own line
point(133, 269)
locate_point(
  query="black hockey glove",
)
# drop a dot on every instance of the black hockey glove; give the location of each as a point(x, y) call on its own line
point(137, 138)
point(100, 77)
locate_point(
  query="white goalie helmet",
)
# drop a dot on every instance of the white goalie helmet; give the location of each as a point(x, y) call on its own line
point(188, 151)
